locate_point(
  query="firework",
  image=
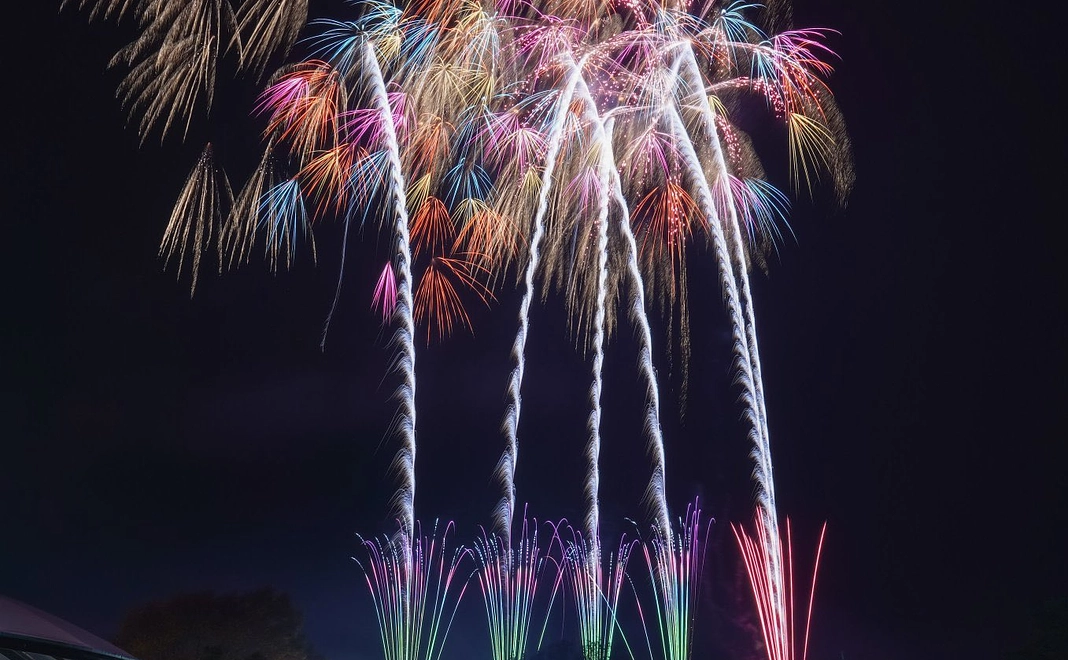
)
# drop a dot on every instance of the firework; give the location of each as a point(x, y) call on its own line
point(116, 9)
point(595, 589)
point(173, 63)
point(506, 467)
point(267, 28)
point(413, 583)
point(675, 562)
point(199, 216)
point(775, 604)
point(509, 575)
point(405, 336)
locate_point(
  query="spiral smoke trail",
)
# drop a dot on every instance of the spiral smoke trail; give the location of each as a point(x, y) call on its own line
point(762, 442)
point(506, 467)
point(656, 493)
point(404, 463)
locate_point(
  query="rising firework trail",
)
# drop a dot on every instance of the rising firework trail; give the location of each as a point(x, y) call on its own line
point(747, 349)
point(506, 467)
point(405, 337)
point(593, 448)
point(706, 198)
point(656, 492)
point(596, 588)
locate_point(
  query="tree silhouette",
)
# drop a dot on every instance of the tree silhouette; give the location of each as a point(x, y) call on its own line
point(1046, 636)
point(562, 650)
point(258, 625)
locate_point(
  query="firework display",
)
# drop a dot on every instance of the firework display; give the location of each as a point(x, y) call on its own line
point(411, 582)
point(575, 146)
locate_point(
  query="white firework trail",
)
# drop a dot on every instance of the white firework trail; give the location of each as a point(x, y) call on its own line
point(706, 201)
point(404, 462)
point(763, 473)
point(506, 467)
point(721, 185)
point(597, 590)
point(593, 449)
point(656, 492)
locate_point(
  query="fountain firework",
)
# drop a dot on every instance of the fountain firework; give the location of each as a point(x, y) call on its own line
point(774, 595)
point(413, 582)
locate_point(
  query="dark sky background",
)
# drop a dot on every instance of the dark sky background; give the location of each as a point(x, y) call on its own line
point(913, 348)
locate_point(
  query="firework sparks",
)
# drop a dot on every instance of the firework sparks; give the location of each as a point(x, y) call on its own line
point(413, 582)
point(509, 575)
point(173, 63)
point(676, 563)
point(595, 590)
point(198, 217)
point(775, 605)
point(266, 28)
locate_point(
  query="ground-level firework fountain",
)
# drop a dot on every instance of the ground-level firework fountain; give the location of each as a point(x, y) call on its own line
point(588, 147)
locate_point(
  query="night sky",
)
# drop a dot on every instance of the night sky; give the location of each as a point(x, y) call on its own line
point(913, 350)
